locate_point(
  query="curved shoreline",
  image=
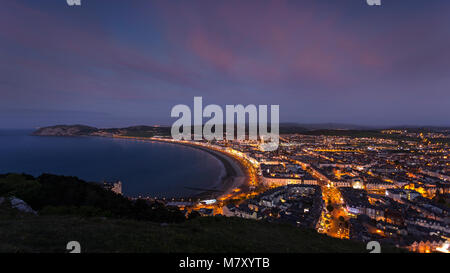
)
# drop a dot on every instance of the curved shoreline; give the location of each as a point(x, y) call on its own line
point(235, 173)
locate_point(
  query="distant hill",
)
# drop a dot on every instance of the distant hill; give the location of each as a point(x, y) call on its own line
point(413, 128)
point(327, 126)
point(285, 128)
point(83, 130)
point(65, 130)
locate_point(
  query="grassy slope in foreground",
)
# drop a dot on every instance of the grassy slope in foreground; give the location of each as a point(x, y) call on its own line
point(205, 234)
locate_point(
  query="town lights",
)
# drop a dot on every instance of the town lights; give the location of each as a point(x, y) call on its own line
point(445, 248)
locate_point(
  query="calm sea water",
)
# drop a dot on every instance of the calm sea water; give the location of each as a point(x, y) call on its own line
point(150, 168)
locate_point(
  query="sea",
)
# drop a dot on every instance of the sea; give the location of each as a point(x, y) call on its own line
point(153, 169)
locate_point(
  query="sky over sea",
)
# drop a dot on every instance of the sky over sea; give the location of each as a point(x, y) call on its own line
point(116, 63)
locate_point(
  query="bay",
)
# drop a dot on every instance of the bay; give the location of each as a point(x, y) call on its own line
point(152, 169)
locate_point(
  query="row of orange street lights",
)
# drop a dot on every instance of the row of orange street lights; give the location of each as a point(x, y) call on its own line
point(329, 221)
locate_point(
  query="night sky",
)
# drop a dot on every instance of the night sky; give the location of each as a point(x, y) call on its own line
point(118, 63)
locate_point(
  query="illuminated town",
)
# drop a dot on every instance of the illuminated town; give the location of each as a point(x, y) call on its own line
point(392, 188)
point(225, 134)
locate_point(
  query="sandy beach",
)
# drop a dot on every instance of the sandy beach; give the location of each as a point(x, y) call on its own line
point(235, 172)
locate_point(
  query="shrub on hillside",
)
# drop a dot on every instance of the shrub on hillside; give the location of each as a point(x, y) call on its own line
point(53, 194)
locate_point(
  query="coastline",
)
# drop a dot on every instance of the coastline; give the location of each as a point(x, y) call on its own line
point(235, 173)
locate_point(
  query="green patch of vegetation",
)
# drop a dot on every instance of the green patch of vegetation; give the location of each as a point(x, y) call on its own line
point(70, 209)
point(200, 235)
point(64, 195)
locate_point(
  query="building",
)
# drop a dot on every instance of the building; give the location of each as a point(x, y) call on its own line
point(115, 187)
point(399, 194)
